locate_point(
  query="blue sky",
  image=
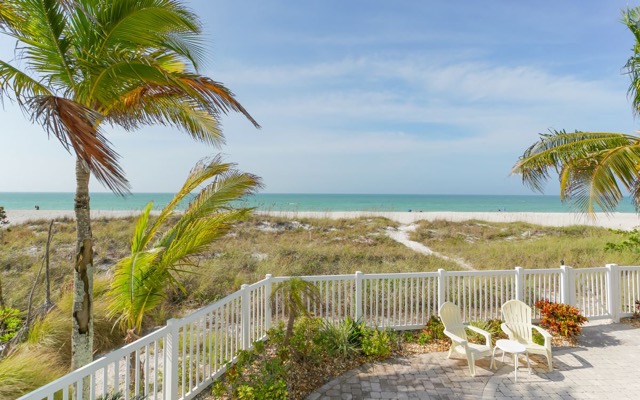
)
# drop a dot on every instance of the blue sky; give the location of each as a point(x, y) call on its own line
point(433, 97)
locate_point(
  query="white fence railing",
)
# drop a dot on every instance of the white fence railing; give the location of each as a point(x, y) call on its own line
point(181, 359)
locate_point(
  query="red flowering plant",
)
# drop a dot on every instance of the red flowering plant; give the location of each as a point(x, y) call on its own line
point(560, 319)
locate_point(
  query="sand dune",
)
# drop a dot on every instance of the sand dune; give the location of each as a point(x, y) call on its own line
point(616, 220)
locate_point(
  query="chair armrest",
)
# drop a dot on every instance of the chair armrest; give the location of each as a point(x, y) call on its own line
point(456, 338)
point(487, 335)
point(506, 330)
point(547, 336)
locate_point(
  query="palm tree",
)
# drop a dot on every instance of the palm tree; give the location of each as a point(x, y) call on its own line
point(594, 168)
point(156, 257)
point(127, 63)
point(295, 292)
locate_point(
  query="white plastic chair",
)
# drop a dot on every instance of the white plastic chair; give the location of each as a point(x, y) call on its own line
point(517, 325)
point(456, 331)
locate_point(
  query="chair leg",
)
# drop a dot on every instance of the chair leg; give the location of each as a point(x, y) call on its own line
point(472, 364)
point(550, 361)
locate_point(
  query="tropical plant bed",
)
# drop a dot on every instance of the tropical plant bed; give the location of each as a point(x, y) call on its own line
point(304, 373)
point(319, 352)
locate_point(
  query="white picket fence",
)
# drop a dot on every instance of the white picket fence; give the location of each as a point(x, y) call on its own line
point(181, 359)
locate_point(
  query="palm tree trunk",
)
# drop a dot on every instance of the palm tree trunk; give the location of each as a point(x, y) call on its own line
point(82, 330)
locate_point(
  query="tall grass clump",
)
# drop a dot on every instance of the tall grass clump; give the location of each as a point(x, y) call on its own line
point(27, 370)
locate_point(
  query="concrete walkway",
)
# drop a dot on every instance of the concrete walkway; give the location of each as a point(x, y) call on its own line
point(603, 366)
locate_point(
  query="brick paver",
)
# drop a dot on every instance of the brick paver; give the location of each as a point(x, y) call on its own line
point(603, 366)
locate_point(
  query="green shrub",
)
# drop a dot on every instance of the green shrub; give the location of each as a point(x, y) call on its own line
point(304, 340)
point(434, 329)
point(377, 343)
point(424, 338)
point(492, 326)
point(340, 339)
point(560, 319)
point(10, 323)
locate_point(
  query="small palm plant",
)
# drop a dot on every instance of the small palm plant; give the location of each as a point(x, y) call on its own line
point(156, 257)
point(295, 292)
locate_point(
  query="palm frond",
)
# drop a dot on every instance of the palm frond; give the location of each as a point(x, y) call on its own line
point(49, 47)
point(558, 148)
point(77, 127)
point(147, 24)
point(631, 18)
point(132, 288)
point(10, 17)
point(592, 166)
point(15, 83)
point(218, 97)
point(140, 278)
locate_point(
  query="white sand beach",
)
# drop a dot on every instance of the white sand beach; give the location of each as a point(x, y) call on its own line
point(624, 221)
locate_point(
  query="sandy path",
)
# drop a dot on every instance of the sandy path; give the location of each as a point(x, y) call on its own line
point(401, 235)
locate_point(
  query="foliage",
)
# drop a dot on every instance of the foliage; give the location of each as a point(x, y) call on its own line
point(631, 241)
point(3, 217)
point(255, 375)
point(537, 246)
point(295, 293)
point(434, 329)
point(492, 326)
point(378, 343)
point(343, 338)
point(560, 319)
point(140, 279)
point(303, 345)
point(52, 331)
point(10, 323)
point(125, 63)
point(28, 369)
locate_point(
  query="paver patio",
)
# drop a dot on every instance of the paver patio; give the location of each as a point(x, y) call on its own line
point(605, 365)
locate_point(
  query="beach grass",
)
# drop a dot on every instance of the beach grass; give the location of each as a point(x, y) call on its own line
point(490, 245)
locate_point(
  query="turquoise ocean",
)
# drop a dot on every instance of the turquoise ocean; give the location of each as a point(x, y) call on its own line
point(313, 202)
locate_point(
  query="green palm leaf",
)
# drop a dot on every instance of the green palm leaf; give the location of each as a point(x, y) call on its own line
point(593, 167)
point(140, 279)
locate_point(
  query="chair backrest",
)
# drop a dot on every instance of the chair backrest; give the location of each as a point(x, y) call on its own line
point(450, 316)
point(517, 316)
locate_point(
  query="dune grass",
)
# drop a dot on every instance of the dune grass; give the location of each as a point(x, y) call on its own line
point(489, 245)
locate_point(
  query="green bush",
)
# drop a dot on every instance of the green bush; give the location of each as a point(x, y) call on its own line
point(10, 323)
point(377, 343)
point(338, 339)
point(492, 326)
point(304, 340)
point(434, 329)
point(424, 338)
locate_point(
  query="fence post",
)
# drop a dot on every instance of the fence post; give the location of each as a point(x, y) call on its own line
point(442, 283)
point(267, 300)
point(519, 283)
point(172, 344)
point(613, 291)
point(359, 276)
point(245, 320)
point(568, 285)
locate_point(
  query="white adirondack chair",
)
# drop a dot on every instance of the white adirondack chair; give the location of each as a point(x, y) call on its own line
point(517, 325)
point(456, 331)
